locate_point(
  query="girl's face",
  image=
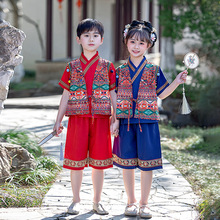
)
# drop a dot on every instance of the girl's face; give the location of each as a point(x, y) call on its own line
point(136, 47)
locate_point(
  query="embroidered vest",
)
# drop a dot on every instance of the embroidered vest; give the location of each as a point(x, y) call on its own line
point(146, 102)
point(78, 103)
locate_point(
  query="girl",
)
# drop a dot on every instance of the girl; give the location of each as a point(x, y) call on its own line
point(139, 83)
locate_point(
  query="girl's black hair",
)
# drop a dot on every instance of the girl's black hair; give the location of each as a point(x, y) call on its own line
point(88, 25)
point(142, 30)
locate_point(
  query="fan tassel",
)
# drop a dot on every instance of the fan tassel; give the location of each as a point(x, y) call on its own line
point(185, 106)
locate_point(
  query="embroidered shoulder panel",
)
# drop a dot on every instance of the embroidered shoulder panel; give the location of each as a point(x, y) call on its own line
point(78, 102)
point(146, 103)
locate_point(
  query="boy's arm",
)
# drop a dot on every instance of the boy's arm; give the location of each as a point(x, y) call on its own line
point(113, 97)
point(114, 122)
point(180, 79)
point(61, 112)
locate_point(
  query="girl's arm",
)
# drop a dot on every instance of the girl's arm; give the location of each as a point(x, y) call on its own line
point(61, 112)
point(180, 79)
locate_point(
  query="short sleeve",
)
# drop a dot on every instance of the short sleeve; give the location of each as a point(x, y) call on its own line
point(162, 82)
point(65, 79)
point(111, 77)
point(117, 78)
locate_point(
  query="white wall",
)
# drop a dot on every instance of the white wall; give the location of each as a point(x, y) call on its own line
point(36, 10)
point(104, 12)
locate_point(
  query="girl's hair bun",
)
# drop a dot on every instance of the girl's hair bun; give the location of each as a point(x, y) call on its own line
point(145, 25)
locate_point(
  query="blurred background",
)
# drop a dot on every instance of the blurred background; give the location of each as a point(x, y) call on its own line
point(190, 142)
point(182, 26)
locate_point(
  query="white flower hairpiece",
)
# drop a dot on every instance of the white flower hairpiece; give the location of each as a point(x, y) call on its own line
point(126, 30)
point(153, 37)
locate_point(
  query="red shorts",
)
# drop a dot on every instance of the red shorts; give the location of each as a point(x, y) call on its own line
point(88, 142)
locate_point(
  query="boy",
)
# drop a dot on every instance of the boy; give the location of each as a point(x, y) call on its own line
point(88, 84)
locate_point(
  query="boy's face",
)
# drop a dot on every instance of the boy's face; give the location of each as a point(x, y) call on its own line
point(90, 41)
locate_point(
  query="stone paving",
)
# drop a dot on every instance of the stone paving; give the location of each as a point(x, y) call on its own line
point(171, 195)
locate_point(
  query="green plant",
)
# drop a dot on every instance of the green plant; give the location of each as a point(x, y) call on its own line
point(26, 189)
point(25, 85)
point(14, 196)
point(196, 155)
point(23, 139)
point(45, 172)
point(47, 163)
point(208, 104)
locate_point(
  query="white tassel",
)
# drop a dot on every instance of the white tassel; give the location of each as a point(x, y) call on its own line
point(185, 106)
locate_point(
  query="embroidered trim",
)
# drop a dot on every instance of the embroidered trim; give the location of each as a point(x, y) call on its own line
point(74, 163)
point(125, 162)
point(150, 163)
point(112, 86)
point(136, 162)
point(89, 65)
point(100, 163)
point(82, 59)
point(139, 70)
point(90, 161)
point(130, 65)
point(64, 84)
point(162, 87)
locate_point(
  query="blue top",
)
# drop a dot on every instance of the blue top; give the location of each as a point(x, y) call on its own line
point(162, 84)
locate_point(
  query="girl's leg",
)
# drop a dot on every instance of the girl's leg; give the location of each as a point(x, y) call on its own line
point(129, 182)
point(97, 180)
point(146, 181)
point(76, 181)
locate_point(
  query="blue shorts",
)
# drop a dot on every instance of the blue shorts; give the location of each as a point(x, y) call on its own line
point(135, 148)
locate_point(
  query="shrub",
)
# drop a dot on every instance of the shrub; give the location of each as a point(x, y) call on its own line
point(208, 104)
point(22, 138)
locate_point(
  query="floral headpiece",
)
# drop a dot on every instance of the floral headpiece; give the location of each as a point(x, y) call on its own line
point(146, 25)
point(126, 30)
point(153, 36)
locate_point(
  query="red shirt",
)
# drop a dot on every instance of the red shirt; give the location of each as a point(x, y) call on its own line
point(89, 78)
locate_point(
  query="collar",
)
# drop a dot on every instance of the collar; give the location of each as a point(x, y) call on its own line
point(85, 61)
point(132, 66)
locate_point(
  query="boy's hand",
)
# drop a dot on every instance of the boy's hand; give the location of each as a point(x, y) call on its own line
point(58, 127)
point(181, 77)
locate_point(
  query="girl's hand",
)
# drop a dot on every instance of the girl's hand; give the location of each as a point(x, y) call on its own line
point(58, 127)
point(115, 128)
point(181, 77)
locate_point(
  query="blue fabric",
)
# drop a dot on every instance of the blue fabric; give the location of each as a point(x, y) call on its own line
point(161, 80)
point(135, 144)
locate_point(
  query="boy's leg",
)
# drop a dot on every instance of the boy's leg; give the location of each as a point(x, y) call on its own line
point(76, 181)
point(146, 181)
point(129, 182)
point(97, 180)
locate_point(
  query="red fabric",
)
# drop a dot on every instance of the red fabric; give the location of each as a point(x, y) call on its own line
point(88, 138)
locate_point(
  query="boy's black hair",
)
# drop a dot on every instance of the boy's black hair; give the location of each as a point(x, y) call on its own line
point(89, 24)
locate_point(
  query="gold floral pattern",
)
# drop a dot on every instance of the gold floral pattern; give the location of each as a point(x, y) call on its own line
point(137, 162)
point(87, 161)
